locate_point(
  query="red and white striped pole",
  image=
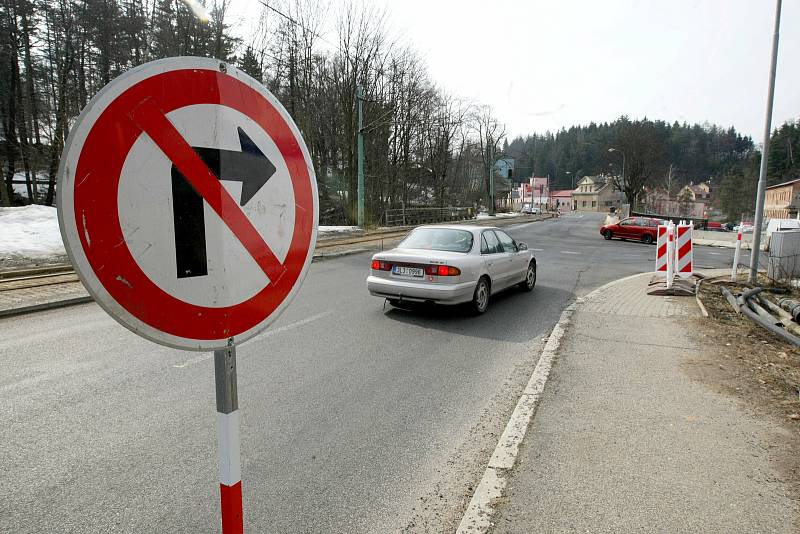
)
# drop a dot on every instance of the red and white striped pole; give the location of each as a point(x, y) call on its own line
point(230, 471)
point(736, 253)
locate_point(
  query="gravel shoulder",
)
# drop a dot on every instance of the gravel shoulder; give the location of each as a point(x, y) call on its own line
point(761, 372)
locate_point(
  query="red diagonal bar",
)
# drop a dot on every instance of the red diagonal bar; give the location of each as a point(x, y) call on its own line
point(158, 127)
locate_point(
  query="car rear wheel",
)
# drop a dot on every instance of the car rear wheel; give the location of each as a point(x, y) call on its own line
point(530, 278)
point(647, 239)
point(608, 234)
point(480, 299)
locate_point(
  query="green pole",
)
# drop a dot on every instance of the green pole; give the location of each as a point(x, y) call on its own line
point(491, 179)
point(360, 98)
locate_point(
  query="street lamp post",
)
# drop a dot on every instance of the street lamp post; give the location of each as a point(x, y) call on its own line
point(623, 161)
point(762, 175)
point(361, 188)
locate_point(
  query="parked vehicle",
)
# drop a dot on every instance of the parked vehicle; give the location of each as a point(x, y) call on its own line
point(715, 227)
point(451, 264)
point(776, 225)
point(644, 229)
point(530, 209)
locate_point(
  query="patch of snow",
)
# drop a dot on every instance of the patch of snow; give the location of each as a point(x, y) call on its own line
point(485, 215)
point(322, 230)
point(30, 231)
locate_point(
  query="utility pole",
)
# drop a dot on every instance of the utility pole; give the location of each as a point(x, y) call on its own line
point(762, 175)
point(360, 98)
point(491, 175)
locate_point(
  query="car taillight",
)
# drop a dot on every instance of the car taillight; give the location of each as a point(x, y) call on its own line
point(380, 265)
point(442, 270)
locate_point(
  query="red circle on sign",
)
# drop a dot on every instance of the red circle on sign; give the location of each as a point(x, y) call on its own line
point(96, 214)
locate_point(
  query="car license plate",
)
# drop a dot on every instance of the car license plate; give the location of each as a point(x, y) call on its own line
point(407, 271)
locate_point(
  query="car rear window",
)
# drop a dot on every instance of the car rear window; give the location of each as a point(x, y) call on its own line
point(447, 239)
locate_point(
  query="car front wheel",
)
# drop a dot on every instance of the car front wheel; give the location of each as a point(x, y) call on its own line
point(608, 234)
point(530, 278)
point(480, 299)
point(647, 239)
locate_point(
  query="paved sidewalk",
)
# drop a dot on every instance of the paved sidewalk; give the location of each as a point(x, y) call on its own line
point(624, 441)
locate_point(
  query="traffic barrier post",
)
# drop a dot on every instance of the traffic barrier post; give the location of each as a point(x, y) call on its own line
point(736, 254)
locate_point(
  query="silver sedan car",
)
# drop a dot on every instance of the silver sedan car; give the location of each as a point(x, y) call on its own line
point(452, 264)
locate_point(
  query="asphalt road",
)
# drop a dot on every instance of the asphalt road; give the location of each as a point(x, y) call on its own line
point(355, 418)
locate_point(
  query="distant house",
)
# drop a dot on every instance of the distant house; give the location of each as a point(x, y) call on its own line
point(540, 189)
point(782, 200)
point(561, 200)
point(596, 193)
point(534, 190)
point(696, 193)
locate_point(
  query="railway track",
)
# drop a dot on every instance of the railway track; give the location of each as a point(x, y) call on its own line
point(64, 273)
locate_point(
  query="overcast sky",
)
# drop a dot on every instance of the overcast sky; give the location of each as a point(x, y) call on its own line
point(543, 65)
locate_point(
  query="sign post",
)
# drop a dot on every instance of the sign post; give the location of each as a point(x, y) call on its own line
point(230, 476)
point(188, 206)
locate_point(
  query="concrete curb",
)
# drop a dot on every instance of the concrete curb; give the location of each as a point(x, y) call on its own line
point(46, 306)
point(702, 306)
point(478, 515)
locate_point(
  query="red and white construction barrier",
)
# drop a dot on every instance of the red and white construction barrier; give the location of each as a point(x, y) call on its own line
point(684, 252)
point(674, 251)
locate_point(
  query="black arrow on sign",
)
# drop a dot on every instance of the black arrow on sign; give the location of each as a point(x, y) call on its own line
point(249, 166)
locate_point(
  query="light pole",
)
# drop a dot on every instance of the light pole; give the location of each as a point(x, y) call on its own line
point(360, 98)
point(762, 175)
point(491, 178)
point(623, 161)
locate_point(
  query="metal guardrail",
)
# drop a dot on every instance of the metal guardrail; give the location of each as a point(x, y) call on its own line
point(426, 215)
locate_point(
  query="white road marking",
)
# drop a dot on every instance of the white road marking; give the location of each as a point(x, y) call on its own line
point(268, 333)
point(537, 249)
point(714, 253)
point(569, 252)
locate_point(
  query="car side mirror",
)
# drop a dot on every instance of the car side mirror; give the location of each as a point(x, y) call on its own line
point(522, 246)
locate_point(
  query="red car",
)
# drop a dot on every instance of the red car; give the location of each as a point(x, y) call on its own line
point(642, 229)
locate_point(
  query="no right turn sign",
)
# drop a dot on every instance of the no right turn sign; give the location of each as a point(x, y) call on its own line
point(188, 203)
